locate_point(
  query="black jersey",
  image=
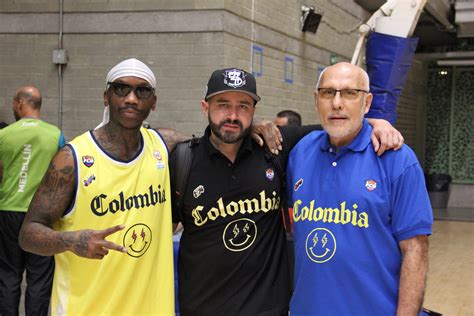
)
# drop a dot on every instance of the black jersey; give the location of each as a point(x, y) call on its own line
point(232, 256)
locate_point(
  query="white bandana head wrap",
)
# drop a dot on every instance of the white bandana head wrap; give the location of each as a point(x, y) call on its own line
point(128, 68)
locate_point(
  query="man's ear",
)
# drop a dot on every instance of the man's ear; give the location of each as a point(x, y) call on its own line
point(316, 101)
point(20, 106)
point(368, 102)
point(205, 107)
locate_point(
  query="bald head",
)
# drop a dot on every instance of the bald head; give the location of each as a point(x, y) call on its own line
point(346, 69)
point(27, 102)
point(30, 96)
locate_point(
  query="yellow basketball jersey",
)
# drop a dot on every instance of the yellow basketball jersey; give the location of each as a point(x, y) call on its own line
point(136, 194)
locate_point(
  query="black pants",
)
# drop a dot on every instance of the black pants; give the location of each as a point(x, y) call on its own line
point(13, 262)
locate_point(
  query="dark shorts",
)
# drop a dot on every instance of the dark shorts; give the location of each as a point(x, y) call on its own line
point(13, 263)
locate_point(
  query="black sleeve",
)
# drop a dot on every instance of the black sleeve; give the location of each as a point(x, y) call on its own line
point(293, 134)
point(172, 165)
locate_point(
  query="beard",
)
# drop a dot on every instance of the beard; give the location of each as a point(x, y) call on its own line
point(228, 137)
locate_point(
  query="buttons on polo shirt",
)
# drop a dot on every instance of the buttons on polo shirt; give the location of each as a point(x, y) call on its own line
point(331, 150)
point(334, 164)
point(234, 182)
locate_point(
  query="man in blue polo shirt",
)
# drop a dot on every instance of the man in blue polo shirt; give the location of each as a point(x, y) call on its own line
point(360, 221)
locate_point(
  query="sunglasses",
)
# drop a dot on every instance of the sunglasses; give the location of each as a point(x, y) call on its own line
point(123, 89)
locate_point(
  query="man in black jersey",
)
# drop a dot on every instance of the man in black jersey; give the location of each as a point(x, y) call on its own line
point(232, 256)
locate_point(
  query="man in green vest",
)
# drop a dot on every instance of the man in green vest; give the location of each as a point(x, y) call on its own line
point(26, 148)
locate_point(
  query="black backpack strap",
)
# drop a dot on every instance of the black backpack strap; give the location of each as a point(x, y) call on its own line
point(282, 176)
point(184, 160)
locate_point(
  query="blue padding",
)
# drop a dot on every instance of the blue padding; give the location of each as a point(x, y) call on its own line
point(388, 60)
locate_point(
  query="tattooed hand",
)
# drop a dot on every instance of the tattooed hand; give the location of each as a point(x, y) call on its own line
point(92, 243)
point(265, 131)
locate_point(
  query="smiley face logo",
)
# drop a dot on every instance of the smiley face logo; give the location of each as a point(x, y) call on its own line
point(137, 239)
point(239, 234)
point(320, 245)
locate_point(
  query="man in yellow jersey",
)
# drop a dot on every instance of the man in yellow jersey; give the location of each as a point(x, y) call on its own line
point(109, 190)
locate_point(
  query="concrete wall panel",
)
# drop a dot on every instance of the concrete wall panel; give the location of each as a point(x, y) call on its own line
point(183, 42)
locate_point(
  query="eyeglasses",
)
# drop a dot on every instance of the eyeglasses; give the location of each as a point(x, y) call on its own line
point(346, 94)
point(123, 89)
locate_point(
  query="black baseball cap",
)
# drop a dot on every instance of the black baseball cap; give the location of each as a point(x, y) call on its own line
point(231, 80)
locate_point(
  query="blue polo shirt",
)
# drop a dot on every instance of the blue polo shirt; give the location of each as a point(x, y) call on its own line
point(351, 209)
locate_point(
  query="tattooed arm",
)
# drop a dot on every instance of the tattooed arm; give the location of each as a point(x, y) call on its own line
point(53, 196)
point(172, 137)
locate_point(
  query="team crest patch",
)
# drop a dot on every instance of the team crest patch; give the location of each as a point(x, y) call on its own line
point(370, 185)
point(270, 173)
point(234, 78)
point(298, 184)
point(160, 164)
point(88, 180)
point(88, 161)
point(157, 155)
point(198, 191)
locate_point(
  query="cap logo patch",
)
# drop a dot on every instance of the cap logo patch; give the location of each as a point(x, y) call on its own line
point(270, 173)
point(370, 185)
point(88, 161)
point(234, 78)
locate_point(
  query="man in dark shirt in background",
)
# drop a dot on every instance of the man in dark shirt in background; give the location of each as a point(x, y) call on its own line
point(288, 118)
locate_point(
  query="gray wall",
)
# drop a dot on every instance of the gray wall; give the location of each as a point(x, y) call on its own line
point(183, 42)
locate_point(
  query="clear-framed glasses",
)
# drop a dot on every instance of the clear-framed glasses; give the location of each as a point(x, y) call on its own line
point(122, 90)
point(346, 94)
